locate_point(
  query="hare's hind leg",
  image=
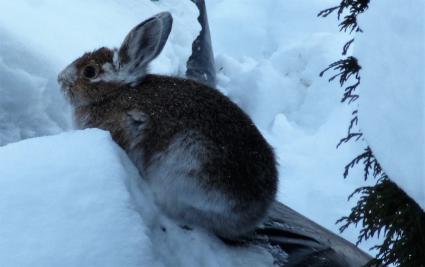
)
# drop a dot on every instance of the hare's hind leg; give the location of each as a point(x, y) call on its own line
point(178, 184)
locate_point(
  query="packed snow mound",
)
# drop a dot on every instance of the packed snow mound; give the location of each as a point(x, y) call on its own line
point(392, 96)
point(75, 199)
point(65, 202)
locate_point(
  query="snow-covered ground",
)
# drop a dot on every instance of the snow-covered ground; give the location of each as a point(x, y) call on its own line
point(75, 198)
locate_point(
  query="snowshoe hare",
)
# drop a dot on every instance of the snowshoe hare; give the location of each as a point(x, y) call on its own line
point(204, 159)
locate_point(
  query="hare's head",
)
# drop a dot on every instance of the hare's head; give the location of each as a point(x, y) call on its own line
point(95, 75)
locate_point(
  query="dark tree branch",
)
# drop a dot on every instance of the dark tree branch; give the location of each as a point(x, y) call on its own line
point(346, 47)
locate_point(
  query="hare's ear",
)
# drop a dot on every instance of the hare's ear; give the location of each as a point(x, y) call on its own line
point(143, 43)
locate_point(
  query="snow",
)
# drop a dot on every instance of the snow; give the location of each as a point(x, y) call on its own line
point(276, 69)
point(30, 103)
point(74, 206)
point(268, 55)
point(69, 202)
point(392, 98)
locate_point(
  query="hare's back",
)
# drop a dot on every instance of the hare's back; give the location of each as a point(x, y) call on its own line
point(234, 145)
point(191, 104)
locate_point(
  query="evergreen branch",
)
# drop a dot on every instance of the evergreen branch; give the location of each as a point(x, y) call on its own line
point(349, 24)
point(354, 120)
point(346, 47)
point(324, 13)
point(346, 68)
point(355, 161)
point(384, 209)
point(354, 7)
point(350, 136)
point(349, 92)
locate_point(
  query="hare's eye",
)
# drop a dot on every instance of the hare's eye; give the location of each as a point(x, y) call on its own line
point(90, 71)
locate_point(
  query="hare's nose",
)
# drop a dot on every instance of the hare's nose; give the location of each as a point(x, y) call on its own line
point(68, 76)
point(64, 83)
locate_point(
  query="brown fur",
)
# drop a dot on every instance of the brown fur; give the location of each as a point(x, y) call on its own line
point(159, 113)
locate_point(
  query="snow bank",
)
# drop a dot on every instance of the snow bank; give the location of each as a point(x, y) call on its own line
point(392, 96)
point(75, 199)
point(65, 202)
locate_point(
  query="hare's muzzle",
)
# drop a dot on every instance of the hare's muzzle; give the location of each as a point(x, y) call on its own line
point(68, 76)
point(63, 82)
point(66, 80)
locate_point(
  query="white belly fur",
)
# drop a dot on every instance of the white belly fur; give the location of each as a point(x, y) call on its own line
point(174, 179)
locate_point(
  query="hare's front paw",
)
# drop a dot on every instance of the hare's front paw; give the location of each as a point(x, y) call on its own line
point(136, 122)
